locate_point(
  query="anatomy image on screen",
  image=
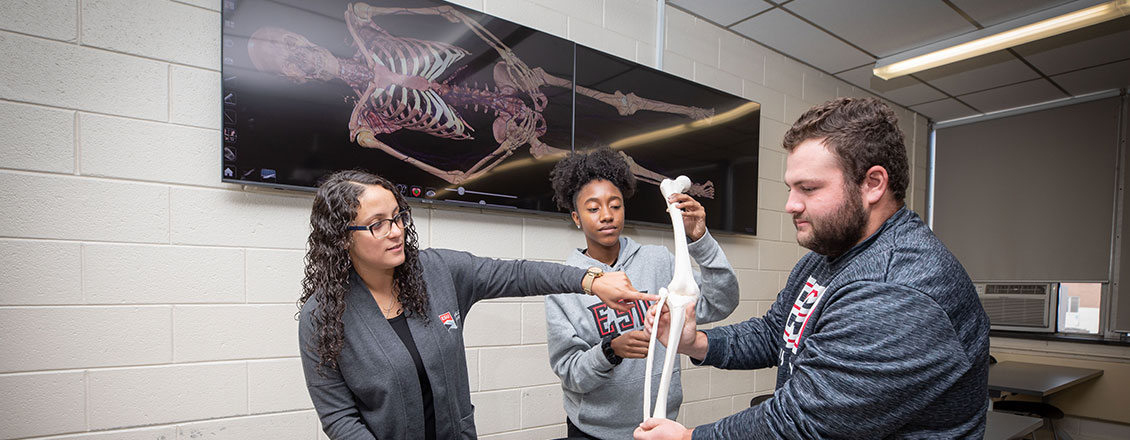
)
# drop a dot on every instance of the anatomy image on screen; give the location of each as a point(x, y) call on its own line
point(403, 83)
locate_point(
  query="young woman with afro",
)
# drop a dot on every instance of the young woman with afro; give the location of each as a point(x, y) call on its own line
point(599, 353)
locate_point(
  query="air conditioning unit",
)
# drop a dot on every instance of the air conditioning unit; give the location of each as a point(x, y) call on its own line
point(1020, 306)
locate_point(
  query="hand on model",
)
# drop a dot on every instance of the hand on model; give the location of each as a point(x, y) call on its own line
point(694, 215)
point(689, 330)
point(632, 344)
point(615, 289)
point(655, 429)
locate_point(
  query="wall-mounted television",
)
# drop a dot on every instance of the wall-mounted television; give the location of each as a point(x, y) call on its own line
point(459, 107)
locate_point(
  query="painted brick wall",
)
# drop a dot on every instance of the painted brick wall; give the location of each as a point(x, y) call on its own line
point(140, 298)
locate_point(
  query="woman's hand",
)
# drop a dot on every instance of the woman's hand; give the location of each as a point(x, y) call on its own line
point(694, 215)
point(632, 344)
point(615, 289)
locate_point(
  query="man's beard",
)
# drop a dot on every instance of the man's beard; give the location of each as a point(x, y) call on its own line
point(837, 233)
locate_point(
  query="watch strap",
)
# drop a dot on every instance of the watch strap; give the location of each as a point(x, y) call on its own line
point(609, 353)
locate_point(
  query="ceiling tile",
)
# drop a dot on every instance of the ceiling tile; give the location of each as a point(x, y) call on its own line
point(1090, 46)
point(988, 13)
point(977, 74)
point(723, 12)
point(904, 90)
point(884, 27)
point(787, 34)
point(1016, 95)
point(1096, 79)
point(944, 110)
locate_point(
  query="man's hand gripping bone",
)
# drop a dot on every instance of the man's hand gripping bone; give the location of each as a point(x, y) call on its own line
point(678, 295)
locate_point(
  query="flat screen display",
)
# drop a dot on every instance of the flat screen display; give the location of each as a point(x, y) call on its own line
point(682, 128)
point(459, 107)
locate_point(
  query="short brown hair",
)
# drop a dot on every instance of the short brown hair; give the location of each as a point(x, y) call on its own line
point(862, 132)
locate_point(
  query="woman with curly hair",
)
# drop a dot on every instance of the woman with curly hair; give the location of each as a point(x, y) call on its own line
point(598, 353)
point(380, 326)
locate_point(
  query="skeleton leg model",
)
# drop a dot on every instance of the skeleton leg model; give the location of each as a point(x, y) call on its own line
point(681, 292)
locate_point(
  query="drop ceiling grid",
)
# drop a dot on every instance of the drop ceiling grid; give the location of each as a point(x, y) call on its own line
point(844, 34)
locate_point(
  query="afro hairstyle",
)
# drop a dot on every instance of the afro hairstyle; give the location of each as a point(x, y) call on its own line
point(581, 167)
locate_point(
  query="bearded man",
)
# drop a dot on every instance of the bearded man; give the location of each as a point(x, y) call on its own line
point(878, 332)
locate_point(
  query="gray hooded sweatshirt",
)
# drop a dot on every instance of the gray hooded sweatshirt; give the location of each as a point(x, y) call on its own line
point(603, 400)
point(887, 341)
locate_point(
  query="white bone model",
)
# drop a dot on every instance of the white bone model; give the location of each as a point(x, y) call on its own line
point(681, 292)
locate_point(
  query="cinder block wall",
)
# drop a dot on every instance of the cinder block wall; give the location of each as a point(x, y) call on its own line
point(140, 298)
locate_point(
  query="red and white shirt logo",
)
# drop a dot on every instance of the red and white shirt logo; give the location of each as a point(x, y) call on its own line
point(448, 321)
point(809, 296)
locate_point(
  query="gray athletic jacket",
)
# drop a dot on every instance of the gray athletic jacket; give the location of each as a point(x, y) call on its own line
point(375, 391)
point(606, 401)
point(886, 341)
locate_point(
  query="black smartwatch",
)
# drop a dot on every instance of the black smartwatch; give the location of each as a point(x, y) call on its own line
point(609, 353)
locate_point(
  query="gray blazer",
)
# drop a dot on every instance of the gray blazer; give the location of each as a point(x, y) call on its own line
point(374, 392)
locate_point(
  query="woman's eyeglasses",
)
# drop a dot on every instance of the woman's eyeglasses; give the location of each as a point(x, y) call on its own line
point(383, 227)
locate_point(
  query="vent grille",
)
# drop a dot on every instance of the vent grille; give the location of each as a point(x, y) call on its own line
point(1015, 311)
point(1016, 289)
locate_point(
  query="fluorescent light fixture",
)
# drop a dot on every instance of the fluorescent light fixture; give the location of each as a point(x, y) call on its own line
point(1054, 21)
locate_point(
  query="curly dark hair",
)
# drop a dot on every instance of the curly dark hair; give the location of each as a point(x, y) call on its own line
point(328, 264)
point(581, 167)
point(862, 132)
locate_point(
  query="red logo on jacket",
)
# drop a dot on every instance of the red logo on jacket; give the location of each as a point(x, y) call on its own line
point(809, 296)
point(611, 321)
point(448, 321)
